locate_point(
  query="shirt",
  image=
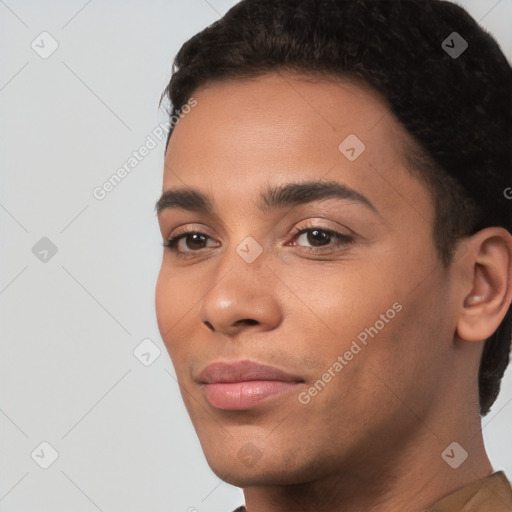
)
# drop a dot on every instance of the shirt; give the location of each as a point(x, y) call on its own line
point(491, 494)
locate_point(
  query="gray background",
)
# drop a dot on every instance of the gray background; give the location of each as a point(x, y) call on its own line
point(70, 324)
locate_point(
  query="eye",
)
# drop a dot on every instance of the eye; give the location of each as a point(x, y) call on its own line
point(320, 239)
point(185, 244)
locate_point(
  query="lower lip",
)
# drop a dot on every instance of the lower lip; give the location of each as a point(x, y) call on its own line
point(237, 396)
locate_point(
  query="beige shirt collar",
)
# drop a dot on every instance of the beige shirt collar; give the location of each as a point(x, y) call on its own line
point(490, 494)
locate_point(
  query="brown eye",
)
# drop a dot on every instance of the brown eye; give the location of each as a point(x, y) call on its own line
point(187, 243)
point(320, 239)
point(193, 241)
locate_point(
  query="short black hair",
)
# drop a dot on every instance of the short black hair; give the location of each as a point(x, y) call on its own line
point(455, 105)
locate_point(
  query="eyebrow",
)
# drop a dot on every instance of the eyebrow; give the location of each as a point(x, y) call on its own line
point(287, 195)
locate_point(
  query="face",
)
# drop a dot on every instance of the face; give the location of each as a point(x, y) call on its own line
point(311, 254)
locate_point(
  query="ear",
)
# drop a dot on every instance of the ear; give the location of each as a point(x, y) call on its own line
point(486, 293)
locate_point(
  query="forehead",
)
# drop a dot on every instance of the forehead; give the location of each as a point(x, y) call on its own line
point(244, 135)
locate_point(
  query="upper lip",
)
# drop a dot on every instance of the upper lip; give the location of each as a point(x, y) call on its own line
point(243, 371)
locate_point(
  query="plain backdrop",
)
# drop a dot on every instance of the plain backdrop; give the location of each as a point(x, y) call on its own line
point(79, 88)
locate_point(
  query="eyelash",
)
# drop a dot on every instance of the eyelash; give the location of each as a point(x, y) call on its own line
point(344, 240)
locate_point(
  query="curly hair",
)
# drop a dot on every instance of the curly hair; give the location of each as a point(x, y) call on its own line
point(457, 109)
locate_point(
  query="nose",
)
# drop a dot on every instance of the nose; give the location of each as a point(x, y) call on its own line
point(242, 296)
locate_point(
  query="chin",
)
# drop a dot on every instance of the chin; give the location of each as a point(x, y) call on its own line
point(240, 470)
point(243, 477)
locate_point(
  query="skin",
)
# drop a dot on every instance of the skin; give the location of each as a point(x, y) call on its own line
point(372, 438)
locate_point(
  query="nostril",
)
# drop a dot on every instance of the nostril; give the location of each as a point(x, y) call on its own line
point(249, 321)
point(209, 325)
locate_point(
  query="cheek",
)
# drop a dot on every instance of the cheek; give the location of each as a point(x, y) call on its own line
point(369, 311)
point(172, 305)
point(343, 302)
point(162, 307)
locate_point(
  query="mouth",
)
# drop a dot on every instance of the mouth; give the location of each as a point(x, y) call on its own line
point(242, 385)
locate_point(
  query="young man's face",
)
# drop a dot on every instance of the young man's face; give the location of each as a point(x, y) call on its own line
point(364, 328)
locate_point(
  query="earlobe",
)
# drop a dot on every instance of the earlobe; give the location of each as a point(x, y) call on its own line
point(488, 301)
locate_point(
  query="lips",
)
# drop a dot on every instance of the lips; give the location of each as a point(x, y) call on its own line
point(243, 371)
point(244, 384)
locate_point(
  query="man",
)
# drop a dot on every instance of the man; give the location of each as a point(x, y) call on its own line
point(336, 284)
